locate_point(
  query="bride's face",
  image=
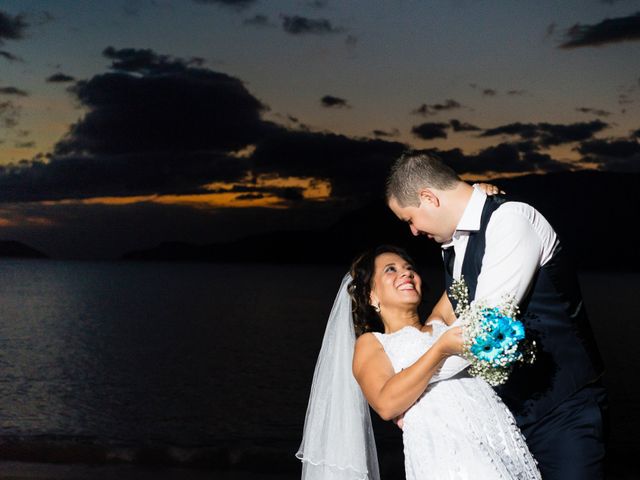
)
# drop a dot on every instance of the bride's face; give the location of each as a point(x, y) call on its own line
point(395, 282)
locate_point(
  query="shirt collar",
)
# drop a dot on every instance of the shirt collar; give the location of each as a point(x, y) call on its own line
point(471, 217)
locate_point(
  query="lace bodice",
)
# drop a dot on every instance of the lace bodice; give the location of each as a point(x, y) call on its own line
point(459, 428)
point(406, 345)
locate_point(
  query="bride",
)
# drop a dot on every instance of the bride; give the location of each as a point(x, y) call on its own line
point(454, 425)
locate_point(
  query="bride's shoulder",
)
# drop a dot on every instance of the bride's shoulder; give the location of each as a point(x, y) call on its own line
point(366, 339)
point(366, 343)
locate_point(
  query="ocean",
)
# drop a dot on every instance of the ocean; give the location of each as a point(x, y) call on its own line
point(205, 367)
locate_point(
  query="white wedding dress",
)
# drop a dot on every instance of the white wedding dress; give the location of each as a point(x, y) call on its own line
point(459, 428)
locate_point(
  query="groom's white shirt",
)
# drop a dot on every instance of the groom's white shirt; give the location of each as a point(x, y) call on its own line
point(519, 240)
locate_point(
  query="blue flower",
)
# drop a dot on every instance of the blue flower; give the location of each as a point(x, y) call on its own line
point(486, 348)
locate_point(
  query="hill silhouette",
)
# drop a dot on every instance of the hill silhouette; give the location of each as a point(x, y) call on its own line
point(591, 211)
point(13, 249)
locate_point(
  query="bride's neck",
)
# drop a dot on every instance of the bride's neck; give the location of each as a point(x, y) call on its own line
point(394, 320)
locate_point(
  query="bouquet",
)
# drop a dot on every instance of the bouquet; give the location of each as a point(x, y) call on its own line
point(493, 339)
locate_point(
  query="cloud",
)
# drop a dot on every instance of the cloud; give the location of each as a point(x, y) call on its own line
point(329, 101)
point(9, 56)
point(504, 158)
point(459, 126)
point(147, 61)
point(618, 154)
point(169, 106)
point(594, 111)
point(118, 175)
point(551, 29)
point(610, 30)
point(636, 133)
point(28, 144)
point(429, 131)
point(237, 4)
point(354, 167)
point(60, 78)
point(426, 110)
point(318, 4)
point(351, 41)
point(489, 92)
point(296, 25)
point(516, 92)
point(12, 27)
point(619, 148)
point(9, 114)
point(386, 133)
point(154, 125)
point(258, 20)
point(548, 134)
point(13, 91)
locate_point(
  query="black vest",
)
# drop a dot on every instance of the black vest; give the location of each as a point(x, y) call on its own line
point(553, 314)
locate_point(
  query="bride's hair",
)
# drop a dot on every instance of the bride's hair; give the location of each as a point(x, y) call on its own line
point(365, 317)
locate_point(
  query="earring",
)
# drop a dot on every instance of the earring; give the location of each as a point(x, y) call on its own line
point(377, 308)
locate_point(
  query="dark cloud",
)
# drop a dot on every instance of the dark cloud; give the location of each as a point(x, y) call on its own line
point(60, 78)
point(120, 175)
point(168, 107)
point(145, 61)
point(154, 126)
point(429, 130)
point(636, 133)
point(624, 99)
point(296, 25)
point(329, 101)
point(13, 91)
point(12, 27)
point(503, 158)
point(610, 30)
point(551, 29)
point(386, 134)
point(351, 40)
point(516, 92)
point(459, 126)
point(489, 92)
point(619, 148)
point(9, 114)
point(318, 4)
point(258, 20)
point(354, 167)
point(10, 56)
point(593, 111)
point(548, 134)
point(426, 110)
point(29, 144)
point(620, 154)
point(237, 4)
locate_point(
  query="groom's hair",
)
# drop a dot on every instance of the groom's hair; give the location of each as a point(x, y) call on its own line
point(414, 171)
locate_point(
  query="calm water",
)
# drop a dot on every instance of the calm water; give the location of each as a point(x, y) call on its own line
point(127, 355)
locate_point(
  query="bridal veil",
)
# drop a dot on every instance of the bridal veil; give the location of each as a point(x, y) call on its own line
point(338, 441)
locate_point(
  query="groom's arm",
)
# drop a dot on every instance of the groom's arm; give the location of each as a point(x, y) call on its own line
point(519, 240)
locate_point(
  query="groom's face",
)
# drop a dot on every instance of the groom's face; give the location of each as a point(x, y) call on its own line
point(422, 219)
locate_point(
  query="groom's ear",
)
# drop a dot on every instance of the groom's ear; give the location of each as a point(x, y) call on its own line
point(429, 197)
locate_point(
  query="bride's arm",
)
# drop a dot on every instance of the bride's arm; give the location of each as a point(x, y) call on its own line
point(391, 394)
point(443, 310)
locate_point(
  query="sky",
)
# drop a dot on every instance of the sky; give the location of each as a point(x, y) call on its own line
point(124, 124)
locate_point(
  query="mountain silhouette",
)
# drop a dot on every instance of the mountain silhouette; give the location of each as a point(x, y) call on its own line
point(591, 211)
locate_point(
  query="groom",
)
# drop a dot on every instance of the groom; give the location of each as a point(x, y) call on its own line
point(508, 248)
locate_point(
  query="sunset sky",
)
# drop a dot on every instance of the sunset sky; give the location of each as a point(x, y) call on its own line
point(128, 123)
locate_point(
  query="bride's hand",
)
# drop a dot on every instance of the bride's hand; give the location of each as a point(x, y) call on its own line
point(450, 342)
point(489, 189)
